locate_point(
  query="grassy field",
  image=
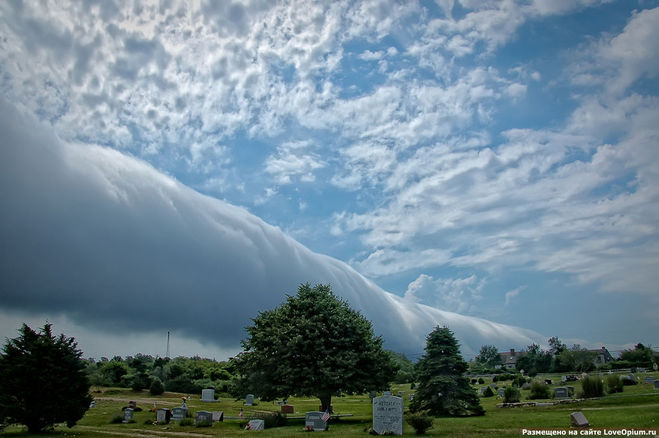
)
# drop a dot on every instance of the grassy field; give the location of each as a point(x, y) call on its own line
point(636, 408)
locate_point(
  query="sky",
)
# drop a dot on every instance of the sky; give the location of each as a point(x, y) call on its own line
point(492, 166)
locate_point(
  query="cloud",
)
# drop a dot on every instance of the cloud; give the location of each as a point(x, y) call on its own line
point(107, 240)
point(511, 294)
point(292, 160)
point(452, 294)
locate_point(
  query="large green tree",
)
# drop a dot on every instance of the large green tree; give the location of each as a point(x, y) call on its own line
point(489, 356)
point(42, 380)
point(443, 389)
point(313, 344)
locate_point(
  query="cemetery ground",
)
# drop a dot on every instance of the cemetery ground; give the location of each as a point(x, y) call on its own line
point(635, 408)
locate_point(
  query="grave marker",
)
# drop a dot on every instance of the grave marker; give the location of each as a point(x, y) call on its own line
point(287, 409)
point(255, 425)
point(314, 421)
point(249, 399)
point(656, 384)
point(163, 416)
point(128, 415)
point(561, 392)
point(388, 415)
point(218, 415)
point(648, 380)
point(208, 395)
point(179, 413)
point(578, 420)
point(501, 393)
point(203, 418)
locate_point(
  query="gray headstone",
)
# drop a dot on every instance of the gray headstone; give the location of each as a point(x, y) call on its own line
point(501, 392)
point(388, 415)
point(561, 392)
point(632, 377)
point(128, 415)
point(649, 380)
point(563, 379)
point(493, 385)
point(255, 425)
point(162, 416)
point(578, 420)
point(656, 384)
point(208, 395)
point(218, 415)
point(179, 413)
point(249, 399)
point(204, 418)
point(314, 421)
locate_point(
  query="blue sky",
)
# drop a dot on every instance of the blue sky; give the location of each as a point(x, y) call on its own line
point(495, 159)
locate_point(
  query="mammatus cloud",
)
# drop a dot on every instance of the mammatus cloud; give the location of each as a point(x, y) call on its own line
point(105, 239)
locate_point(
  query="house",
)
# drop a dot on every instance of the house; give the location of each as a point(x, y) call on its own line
point(602, 356)
point(509, 358)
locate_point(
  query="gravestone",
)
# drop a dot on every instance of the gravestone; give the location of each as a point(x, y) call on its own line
point(373, 394)
point(501, 392)
point(92, 404)
point(526, 385)
point(483, 389)
point(632, 377)
point(314, 421)
point(656, 384)
point(179, 413)
point(563, 379)
point(218, 415)
point(163, 416)
point(578, 420)
point(388, 415)
point(386, 393)
point(648, 380)
point(255, 425)
point(203, 418)
point(208, 395)
point(128, 415)
point(287, 409)
point(493, 385)
point(561, 392)
point(249, 399)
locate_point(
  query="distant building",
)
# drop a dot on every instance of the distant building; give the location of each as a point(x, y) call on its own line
point(509, 358)
point(602, 356)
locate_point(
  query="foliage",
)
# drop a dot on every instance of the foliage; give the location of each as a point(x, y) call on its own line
point(157, 388)
point(420, 421)
point(42, 380)
point(312, 344)
point(511, 395)
point(117, 419)
point(481, 381)
point(592, 386)
point(488, 392)
point(614, 384)
point(534, 361)
point(405, 373)
point(539, 390)
point(274, 419)
point(443, 389)
point(186, 422)
point(639, 356)
point(489, 356)
point(576, 359)
point(556, 347)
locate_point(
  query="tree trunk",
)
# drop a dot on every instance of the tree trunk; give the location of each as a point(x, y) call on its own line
point(325, 402)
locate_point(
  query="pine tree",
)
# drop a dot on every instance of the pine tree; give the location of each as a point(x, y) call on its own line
point(443, 390)
point(42, 380)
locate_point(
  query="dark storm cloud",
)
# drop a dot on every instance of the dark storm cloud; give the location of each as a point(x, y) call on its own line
point(109, 241)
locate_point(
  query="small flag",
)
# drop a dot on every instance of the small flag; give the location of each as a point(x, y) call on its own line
point(326, 416)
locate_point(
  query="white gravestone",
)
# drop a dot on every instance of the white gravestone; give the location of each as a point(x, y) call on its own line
point(208, 395)
point(249, 399)
point(388, 415)
point(255, 425)
point(162, 416)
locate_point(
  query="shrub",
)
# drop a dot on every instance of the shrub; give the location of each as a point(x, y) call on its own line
point(117, 419)
point(614, 384)
point(412, 385)
point(186, 422)
point(592, 387)
point(511, 395)
point(157, 388)
point(420, 421)
point(276, 419)
point(481, 381)
point(627, 381)
point(539, 390)
point(495, 379)
point(488, 392)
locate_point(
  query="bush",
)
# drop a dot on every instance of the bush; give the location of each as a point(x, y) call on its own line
point(481, 381)
point(592, 387)
point(488, 392)
point(613, 384)
point(276, 419)
point(539, 390)
point(511, 395)
point(412, 385)
point(117, 419)
point(420, 421)
point(157, 388)
point(186, 422)
point(495, 379)
point(627, 381)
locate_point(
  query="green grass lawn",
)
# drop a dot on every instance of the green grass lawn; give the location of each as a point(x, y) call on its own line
point(636, 408)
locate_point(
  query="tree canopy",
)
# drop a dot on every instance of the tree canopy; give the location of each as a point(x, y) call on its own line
point(443, 389)
point(42, 380)
point(313, 344)
point(489, 356)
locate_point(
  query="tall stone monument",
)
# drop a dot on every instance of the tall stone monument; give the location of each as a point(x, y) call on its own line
point(388, 415)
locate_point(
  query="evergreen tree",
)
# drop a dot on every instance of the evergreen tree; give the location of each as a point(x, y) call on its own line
point(314, 344)
point(443, 389)
point(42, 380)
